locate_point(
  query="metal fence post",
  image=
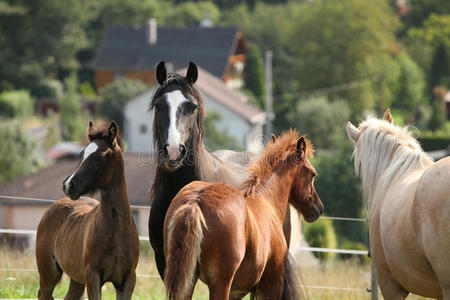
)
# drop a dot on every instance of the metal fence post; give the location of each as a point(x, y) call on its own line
point(373, 281)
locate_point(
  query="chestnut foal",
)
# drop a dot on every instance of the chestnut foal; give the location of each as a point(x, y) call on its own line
point(92, 242)
point(233, 240)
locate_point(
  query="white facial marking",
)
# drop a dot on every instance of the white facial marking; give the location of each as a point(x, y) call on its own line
point(91, 148)
point(174, 100)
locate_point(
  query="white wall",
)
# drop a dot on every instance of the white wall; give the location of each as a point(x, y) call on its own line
point(137, 116)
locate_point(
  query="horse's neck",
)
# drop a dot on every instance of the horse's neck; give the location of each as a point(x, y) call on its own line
point(212, 169)
point(276, 192)
point(114, 202)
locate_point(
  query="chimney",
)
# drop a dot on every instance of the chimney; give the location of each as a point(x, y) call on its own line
point(151, 31)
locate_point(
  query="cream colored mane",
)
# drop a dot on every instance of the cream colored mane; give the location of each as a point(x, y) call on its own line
point(385, 153)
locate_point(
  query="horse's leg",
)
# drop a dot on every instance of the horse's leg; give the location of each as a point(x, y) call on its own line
point(93, 285)
point(220, 290)
point(49, 275)
point(270, 286)
point(389, 287)
point(75, 292)
point(124, 292)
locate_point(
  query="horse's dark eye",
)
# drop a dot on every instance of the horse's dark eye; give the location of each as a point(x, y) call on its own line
point(191, 107)
point(314, 173)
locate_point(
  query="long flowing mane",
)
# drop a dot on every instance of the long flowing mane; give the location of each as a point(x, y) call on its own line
point(275, 153)
point(385, 153)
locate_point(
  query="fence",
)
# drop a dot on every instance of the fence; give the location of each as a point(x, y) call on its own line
point(374, 285)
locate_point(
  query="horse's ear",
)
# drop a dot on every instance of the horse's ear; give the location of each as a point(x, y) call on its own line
point(274, 138)
point(161, 72)
point(90, 124)
point(387, 116)
point(113, 132)
point(90, 132)
point(301, 146)
point(192, 73)
point(352, 131)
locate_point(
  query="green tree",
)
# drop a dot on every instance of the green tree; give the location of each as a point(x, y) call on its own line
point(216, 139)
point(17, 153)
point(73, 123)
point(340, 190)
point(349, 45)
point(192, 13)
point(116, 94)
point(254, 74)
point(322, 120)
point(40, 40)
point(16, 104)
point(440, 67)
point(411, 90)
point(321, 234)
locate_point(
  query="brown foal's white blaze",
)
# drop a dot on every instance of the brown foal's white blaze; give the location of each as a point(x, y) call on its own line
point(174, 142)
point(88, 151)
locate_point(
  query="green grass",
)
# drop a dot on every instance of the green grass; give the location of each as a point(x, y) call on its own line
point(347, 274)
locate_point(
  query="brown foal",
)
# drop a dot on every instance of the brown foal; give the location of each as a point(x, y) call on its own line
point(92, 242)
point(233, 239)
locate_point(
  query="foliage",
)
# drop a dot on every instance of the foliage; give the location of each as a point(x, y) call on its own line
point(440, 67)
point(17, 153)
point(16, 104)
point(322, 120)
point(435, 30)
point(349, 41)
point(340, 190)
point(346, 244)
point(217, 139)
point(73, 123)
point(49, 88)
point(437, 119)
point(430, 142)
point(411, 90)
point(116, 94)
point(421, 11)
point(87, 90)
point(254, 74)
point(192, 13)
point(321, 234)
point(39, 40)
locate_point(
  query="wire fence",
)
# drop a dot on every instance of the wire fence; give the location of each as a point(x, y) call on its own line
point(145, 238)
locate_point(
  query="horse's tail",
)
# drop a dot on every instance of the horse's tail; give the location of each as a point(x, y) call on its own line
point(184, 238)
point(291, 286)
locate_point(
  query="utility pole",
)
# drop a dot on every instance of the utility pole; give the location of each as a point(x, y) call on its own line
point(269, 97)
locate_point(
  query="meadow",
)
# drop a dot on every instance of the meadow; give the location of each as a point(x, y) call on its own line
point(350, 275)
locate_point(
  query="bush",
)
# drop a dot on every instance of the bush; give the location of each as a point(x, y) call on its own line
point(340, 190)
point(48, 88)
point(73, 123)
point(116, 94)
point(351, 245)
point(321, 234)
point(17, 154)
point(322, 120)
point(16, 104)
point(431, 143)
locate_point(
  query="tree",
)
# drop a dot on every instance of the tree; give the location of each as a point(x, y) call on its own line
point(73, 123)
point(347, 45)
point(216, 139)
point(17, 153)
point(322, 120)
point(411, 89)
point(440, 67)
point(192, 13)
point(254, 74)
point(116, 94)
point(40, 40)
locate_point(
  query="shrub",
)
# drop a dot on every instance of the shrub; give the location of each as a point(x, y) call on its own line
point(16, 104)
point(17, 154)
point(73, 123)
point(352, 245)
point(321, 234)
point(48, 88)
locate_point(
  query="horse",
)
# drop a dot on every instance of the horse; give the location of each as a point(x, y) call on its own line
point(408, 203)
point(178, 131)
point(92, 242)
point(233, 239)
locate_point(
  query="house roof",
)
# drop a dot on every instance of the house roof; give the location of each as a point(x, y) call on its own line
point(234, 100)
point(47, 182)
point(126, 48)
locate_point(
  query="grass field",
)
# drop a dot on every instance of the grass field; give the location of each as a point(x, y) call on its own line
point(24, 284)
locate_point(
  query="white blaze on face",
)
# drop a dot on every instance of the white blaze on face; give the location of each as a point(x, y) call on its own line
point(174, 100)
point(91, 148)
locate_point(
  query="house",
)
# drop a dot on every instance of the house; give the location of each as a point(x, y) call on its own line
point(47, 184)
point(134, 51)
point(239, 118)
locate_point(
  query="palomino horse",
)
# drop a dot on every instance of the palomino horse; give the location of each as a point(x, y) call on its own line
point(92, 242)
point(182, 157)
point(408, 197)
point(233, 240)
